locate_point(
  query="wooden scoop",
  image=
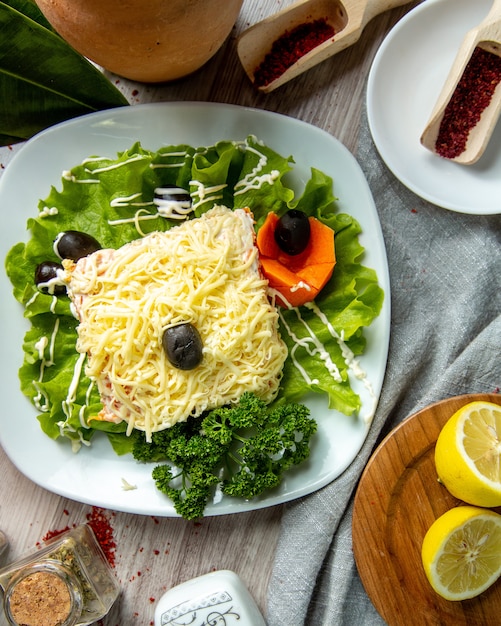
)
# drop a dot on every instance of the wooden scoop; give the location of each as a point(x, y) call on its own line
point(348, 18)
point(487, 36)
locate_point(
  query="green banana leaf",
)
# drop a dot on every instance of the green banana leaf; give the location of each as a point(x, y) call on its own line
point(43, 80)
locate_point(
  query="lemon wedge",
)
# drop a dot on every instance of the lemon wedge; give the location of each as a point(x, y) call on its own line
point(461, 552)
point(468, 454)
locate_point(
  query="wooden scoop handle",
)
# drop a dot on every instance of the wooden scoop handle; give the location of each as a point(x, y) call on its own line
point(348, 17)
point(487, 35)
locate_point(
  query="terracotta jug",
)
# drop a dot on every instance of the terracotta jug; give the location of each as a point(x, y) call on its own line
point(144, 40)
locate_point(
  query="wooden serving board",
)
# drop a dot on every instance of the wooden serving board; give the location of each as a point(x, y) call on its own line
point(397, 500)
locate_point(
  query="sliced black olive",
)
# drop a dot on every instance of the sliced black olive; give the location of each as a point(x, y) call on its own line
point(172, 193)
point(292, 232)
point(47, 280)
point(183, 346)
point(74, 245)
point(173, 200)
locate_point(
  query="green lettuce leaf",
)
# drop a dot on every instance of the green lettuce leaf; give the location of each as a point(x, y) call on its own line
point(113, 200)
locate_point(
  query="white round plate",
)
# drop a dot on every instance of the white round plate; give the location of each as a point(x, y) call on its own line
point(405, 80)
point(95, 475)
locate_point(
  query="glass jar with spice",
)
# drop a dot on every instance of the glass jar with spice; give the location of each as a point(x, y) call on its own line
point(68, 582)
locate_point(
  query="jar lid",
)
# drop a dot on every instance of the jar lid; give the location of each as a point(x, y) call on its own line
point(43, 594)
point(218, 597)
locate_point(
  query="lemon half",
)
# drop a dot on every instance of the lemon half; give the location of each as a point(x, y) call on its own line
point(468, 454)
point(461, 552)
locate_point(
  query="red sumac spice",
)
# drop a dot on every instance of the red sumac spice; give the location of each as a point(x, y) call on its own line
point(471, 97)
point(50, 534)
point(290, 47)
point(103, 530)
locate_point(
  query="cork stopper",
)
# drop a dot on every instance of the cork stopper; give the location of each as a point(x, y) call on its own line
point(42, 597)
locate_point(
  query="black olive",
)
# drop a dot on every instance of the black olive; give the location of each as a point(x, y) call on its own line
point(46, 278)
point(74, 245)
point(292, 232)
point(172, 193)
point(173, 200)
point(183, 346)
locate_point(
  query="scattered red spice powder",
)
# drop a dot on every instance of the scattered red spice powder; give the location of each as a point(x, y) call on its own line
point(471, 97)
point(55, 533)
point(103, 530)
point(290, 47)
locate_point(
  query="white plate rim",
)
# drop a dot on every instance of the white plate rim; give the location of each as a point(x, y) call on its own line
point(473, 189)
point(51, 464)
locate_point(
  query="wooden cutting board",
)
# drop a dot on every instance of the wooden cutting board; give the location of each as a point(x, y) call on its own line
point(397, 500)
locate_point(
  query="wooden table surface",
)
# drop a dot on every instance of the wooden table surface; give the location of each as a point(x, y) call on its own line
point(154, 554)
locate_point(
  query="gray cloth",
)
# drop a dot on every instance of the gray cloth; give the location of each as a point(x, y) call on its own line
point(445, 270)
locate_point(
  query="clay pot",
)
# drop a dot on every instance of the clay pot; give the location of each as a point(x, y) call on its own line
point(144, 40)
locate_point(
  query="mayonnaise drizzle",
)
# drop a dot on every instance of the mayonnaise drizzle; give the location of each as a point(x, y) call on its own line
point(41, 400)
point(312, 345)
point(53, 304)
point(181, 210)
point(67, 175)
point(57, 281)
point(204, 193)
point(138, 216)
point(253, 180)
point(72, 389)
point(48, 211)
point(65, 428)
point(172, 208)
point(81, 413)
point(170, 165)
point(95, 159)
point(315, 347)
point(169, 209)
point(52, 344)
point(125, 201)
point(33, 298)
point(40, 346)
point(300, 285)
point(350, 359)
point(114, 166)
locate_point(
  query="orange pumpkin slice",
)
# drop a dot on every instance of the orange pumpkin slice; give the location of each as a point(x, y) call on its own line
point(299, 278)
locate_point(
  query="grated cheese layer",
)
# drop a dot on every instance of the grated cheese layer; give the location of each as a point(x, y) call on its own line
point(205, 272)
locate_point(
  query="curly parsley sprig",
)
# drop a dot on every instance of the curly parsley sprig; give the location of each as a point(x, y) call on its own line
point(243, 450)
